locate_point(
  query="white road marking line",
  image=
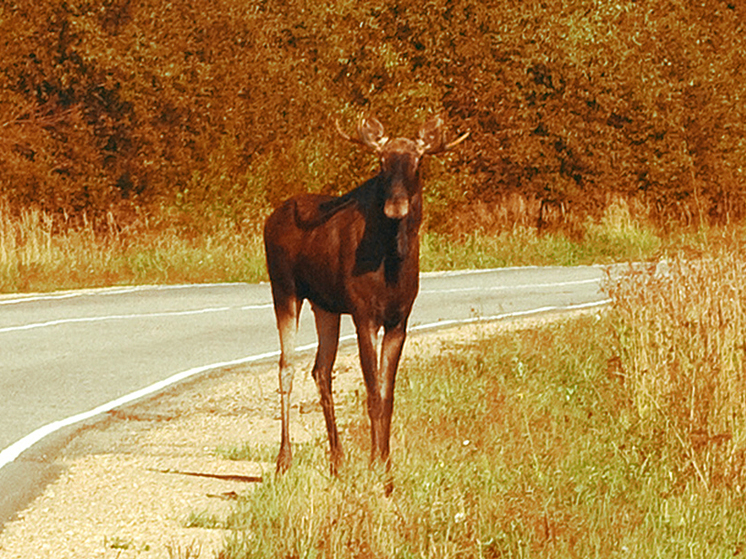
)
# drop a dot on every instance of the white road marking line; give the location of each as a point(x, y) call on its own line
point(495, 317)
point(60, 321)
point(68, 295)
point(475, 271)
point(510, 287)
point(12, 452)
point(165, 314)
point(18, 299)
point(15, 300)
point(37, 298)
point(82, 320)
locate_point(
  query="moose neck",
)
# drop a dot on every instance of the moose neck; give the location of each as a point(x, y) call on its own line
point(402, 215)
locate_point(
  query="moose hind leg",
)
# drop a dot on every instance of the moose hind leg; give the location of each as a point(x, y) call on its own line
point(327, 330)
point(287, 325)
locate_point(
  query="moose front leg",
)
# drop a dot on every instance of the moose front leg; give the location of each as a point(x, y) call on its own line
point(367, 340)
point(391, 348)
point(380, 382)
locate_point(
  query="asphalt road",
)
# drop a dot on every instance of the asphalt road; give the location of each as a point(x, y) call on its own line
point(66, 358)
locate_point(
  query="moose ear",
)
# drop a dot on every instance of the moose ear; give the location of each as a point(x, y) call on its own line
point(431, 139)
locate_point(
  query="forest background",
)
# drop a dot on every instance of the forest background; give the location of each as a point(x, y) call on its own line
point(133, 118)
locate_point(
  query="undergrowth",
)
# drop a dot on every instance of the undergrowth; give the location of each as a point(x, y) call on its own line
point(527, 443)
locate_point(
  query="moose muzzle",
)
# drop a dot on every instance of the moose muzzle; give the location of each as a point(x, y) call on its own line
point(397, 204)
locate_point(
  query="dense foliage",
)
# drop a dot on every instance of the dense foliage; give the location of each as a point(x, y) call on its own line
point(230, 105)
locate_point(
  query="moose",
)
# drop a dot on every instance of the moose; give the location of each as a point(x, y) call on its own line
point(354, 254)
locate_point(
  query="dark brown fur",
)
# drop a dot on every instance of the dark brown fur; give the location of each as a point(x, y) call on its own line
point(357, 254)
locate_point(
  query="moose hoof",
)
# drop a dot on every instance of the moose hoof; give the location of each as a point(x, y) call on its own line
point(388, 485)
point(284, 459)
point(336, 462)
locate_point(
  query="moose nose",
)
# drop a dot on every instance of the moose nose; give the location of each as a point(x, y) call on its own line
point(396, 206)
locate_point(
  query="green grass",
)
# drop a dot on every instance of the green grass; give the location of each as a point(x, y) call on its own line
point(613, 238)
point(526, 247)
point(248, 452)
point(203, 519)
point(523, 444)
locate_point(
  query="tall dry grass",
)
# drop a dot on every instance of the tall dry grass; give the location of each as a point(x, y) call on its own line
point(41, 253)
point(681, 328)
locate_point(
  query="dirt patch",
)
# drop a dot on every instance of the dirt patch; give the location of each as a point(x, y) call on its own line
point(147, 481)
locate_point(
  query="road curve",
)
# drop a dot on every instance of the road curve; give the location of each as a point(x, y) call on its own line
point(69, 357)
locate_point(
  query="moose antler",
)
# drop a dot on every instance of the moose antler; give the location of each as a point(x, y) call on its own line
point(370, 133)
point(457, 141)
point(432, 137)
